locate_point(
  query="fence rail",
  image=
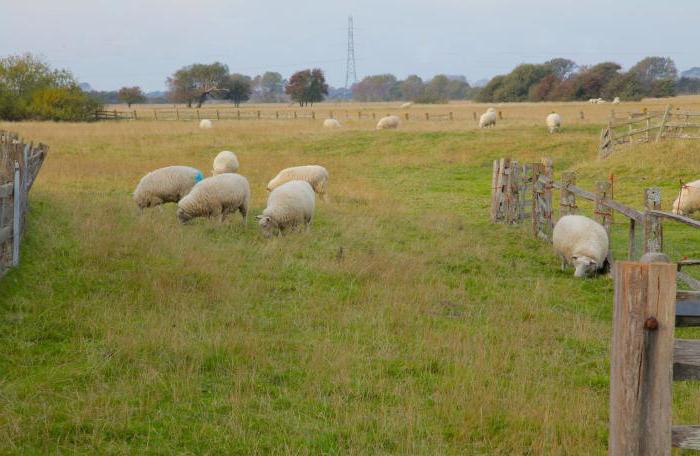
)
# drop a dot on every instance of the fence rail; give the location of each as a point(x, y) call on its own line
point(646, 127)
point(19, 165)
point(247, 114)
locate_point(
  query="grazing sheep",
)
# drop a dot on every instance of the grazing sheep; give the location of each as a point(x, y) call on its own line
point(165, 185)
point(553, 122)
point(225, 162)
point(315, 175)
point(601, 101)
point(616, 100)
point(289, 205)
point(406, 105)
point(388, 122)
point(488, 119)
point(331, 123)
point(688, 200)
point(593, 100)
point(205, 124)
point(581, 241)
point(216, 196)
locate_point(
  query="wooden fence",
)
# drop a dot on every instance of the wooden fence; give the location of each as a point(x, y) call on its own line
point(645, 359)
point(647, 127)
point(525, 191)
point(238, 114)
point(19, 166)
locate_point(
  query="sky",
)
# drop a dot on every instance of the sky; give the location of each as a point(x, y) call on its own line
point(113, 43)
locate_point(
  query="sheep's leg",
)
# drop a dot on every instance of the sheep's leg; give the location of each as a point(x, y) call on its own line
point(563, 262)
point(244, 214)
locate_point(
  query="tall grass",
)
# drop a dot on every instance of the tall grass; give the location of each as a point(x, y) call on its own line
point(403, 322)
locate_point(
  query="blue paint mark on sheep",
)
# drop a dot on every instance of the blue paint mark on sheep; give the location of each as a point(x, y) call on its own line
point(198, 177)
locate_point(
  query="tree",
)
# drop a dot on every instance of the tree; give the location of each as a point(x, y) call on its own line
point(197, 82)
point(30, 88)
point(561, 68)
point(378, 87)
point(627, 86)
point(590, 82)
point(457, 88)
point(131, 95)
point(544, 89)
point(238, 88)
point(411, 88)
point(269, 87)
point(688, 85)
point(307, 86)
point(486, 94)
point(651, 69)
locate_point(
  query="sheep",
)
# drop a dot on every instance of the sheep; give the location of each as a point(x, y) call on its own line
point(388, 122)
point(288, 206)
point(616, 100)
point(205, 124)
point(406, 105)
point(553, 122)
point(315, 175)
point(165, 185)
point(488, 119)
point(581, 241)
point(216, 196)
point(331, 123)
point(593, 100)
point(688, 200)
point(601, 101)
point(225, 162)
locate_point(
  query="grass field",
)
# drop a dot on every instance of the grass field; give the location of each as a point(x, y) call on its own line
point(403, 322)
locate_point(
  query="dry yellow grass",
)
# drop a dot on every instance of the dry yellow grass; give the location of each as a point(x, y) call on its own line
point(402, 323)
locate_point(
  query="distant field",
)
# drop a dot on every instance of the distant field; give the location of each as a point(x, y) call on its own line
point(403, 322)
point(513, 113)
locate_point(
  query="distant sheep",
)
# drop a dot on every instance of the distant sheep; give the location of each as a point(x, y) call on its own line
point(165, 185)
point(216, 196)
point(601, 101)
point(225, 162)
point(582, 242)
point(688, 200)
point(406, 105)
point(288, 206)
point(315, 175)
point(553, 122)
point(488, 119)
point(388, 122)
point(331, 123)
point(616, 100)
point(205, 124)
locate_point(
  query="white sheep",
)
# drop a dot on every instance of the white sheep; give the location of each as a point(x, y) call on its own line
point(205, 124)
point(388, 122)
point(616, 100)
point(288, 206)
point(331, 123)
point(406, 105)
point(315, 175)
point(216, 196)
point(593, 100)
point(582, 242)
point(488, 119)
point(601, 101)
point(553, 122)
point(225, 162)
point(166, 185)
point(688, 200)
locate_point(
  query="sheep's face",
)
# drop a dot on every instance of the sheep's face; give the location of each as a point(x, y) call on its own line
point(585, 266)
point(146, 202)
point(182, 216)
point(268, 225)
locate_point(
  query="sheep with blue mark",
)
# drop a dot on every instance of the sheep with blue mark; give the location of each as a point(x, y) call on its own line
point(165, 185)
point(216, 196)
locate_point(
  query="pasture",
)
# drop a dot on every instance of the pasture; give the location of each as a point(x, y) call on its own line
point(403, 322)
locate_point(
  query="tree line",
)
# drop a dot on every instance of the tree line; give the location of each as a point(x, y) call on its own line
point(439, 89)
point(563, 80)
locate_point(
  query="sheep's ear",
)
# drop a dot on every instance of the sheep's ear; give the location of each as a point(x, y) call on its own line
point(258, 217)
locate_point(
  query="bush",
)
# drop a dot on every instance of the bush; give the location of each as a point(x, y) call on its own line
point(63, 103)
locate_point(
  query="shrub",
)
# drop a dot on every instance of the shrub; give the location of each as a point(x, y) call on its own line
point(63, 103)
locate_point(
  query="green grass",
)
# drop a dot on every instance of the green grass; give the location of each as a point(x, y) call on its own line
point(402, 323)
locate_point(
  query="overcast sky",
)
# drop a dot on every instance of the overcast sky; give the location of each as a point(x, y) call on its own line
point(111, 43)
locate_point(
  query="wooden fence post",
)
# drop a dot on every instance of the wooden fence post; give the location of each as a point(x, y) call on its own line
point(135, 117)
point(512, 195)
point(581, 115)
point(631, 242)
point(567, 199)
point(277, 115)
point(427, 116)
point(238, 114)
point(155, 115)
point(373, 116)
point(662, 125)
point(451, 116)
point(258, 115)
point(313, 115)
point(359, 115)
point(218, 117)
point(16, 216)
point(177, 114)
point(641, 359)
point(474, 116)
point(602, 192)
point(653, 230)
point(406, 115)
point(524, 184)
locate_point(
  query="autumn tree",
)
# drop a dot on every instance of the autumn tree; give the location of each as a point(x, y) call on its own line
point(307, 86)
point(131, 95)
